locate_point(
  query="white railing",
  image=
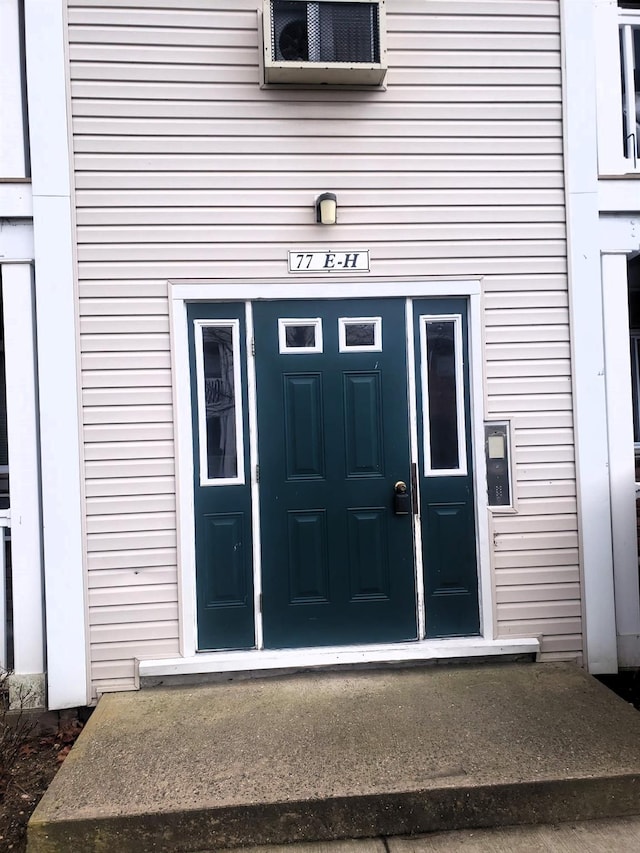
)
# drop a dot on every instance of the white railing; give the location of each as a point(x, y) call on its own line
point(5, 524)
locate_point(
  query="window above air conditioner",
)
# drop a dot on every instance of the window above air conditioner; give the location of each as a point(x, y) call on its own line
point(331, 42)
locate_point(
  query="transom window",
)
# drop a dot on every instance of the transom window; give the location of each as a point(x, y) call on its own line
point(300, 335)
point(360, 334)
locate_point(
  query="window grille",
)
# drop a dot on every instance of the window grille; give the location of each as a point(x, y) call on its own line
point(325, 32)
point(324, 42)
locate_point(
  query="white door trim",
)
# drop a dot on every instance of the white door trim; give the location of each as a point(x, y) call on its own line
point(242, 291)
point(253, 468)
point(415, 461)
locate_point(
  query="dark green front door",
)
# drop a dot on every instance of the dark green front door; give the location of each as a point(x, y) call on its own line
point(319, 535)
point(333, 439)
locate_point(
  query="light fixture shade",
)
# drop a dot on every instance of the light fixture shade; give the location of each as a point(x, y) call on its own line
point(327, 209)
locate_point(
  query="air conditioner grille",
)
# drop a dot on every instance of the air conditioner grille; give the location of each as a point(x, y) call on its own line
point(325, 31)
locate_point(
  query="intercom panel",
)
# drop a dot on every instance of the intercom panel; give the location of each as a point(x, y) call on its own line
point(498, 452)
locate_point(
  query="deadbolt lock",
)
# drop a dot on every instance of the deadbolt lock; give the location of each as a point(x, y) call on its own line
point(401, 499)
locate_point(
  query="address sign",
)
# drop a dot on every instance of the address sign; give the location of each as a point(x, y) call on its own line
point(306, 262)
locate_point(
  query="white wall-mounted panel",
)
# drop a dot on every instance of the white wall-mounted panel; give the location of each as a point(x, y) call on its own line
point(15, 200)
point(16, 240)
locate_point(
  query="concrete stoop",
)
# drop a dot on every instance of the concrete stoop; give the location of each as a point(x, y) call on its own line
point(327, 756)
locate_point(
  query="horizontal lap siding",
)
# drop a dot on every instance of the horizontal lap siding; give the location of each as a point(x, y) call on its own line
point(535, 553)
point(184, 168)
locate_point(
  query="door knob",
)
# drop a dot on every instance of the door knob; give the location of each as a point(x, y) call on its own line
point(401, 499)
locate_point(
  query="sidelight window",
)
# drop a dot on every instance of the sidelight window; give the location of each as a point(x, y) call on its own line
point(443, 395)
point(217, 347)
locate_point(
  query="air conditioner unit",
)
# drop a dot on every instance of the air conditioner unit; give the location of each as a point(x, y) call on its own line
point(331, 42)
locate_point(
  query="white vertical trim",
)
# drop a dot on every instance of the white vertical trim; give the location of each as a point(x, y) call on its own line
point(22, 431)
point(585, 307)
point(621, 456)
point(12, 142)
point(488, 622)
point(61, 450)
point(254, 461)
point(184, 474)
point(415, 461)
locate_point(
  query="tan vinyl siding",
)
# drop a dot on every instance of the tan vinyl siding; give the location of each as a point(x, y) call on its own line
point(186, 169)
point(536, 557)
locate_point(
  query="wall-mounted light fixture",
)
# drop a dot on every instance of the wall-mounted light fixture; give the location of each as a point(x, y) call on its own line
point(327, 209)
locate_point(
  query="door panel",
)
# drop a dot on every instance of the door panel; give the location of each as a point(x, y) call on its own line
point(337, 564)
point(446, 481)
point(222, 499)
point(304, 428)
point(368, 554)
point(363, 424)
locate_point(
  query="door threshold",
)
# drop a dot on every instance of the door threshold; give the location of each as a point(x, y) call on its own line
point(153, 672)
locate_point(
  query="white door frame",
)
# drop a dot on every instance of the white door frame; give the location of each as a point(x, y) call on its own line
point(318, 288)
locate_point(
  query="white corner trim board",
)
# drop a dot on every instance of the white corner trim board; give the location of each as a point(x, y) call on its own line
point(585, 306)
point(57, 366)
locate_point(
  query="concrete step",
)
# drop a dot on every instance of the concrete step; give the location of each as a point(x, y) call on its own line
point(343, 756)
point(621, 835)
